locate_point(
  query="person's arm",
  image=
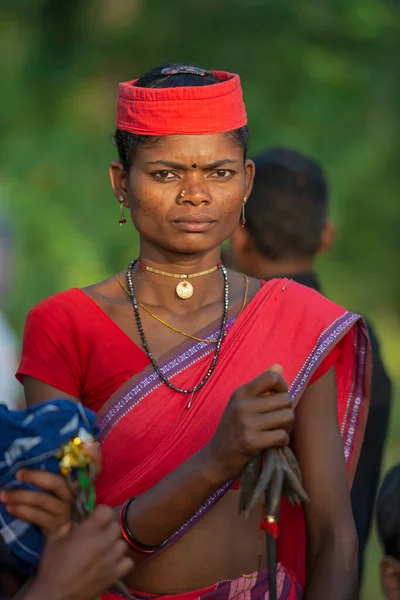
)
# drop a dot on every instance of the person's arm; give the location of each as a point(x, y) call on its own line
point(331, 534)
point(37, 391)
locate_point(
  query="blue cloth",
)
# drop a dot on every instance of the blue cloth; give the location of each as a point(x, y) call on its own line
point(30, 439)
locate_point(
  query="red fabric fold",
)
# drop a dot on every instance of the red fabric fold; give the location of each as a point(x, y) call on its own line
point(215, 108)
point(284, 324)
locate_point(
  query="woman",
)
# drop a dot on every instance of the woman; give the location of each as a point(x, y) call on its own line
point(174, 355)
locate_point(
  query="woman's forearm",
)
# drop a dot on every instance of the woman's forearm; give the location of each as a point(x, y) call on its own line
point(332, 570)
point(158, 513)
point(248, 425)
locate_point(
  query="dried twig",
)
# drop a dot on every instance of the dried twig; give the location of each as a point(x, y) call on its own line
point(270, 474)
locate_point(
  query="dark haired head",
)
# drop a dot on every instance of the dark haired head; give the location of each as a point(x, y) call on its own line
point(128, 143)
point(388, 513)
point(287, 209)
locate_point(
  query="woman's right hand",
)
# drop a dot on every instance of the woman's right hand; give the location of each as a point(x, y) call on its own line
point(259, 416)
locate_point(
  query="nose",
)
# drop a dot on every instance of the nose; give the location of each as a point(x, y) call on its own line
point(194, 193)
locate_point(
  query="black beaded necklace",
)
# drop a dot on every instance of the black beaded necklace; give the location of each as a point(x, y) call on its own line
point(146, 345)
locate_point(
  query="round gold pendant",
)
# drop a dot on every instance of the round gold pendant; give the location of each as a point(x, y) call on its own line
point(184, 289)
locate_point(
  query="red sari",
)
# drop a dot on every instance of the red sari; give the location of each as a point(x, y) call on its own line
point(285, 324)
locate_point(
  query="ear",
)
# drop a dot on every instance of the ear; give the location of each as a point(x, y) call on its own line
point(250, 169)
point(390, 577)
point(328, 236)
point(119, 181)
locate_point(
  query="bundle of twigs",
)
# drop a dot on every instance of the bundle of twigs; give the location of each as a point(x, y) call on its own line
point(272, 473)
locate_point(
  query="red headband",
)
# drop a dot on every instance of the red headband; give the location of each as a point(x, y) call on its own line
point(214, 108)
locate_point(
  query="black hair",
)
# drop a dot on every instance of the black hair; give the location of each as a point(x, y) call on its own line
point(288, 205)
point(388, 513)
point(128, 143)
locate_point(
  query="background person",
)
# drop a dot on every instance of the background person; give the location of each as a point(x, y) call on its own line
point(287, 228)
point(388, 523)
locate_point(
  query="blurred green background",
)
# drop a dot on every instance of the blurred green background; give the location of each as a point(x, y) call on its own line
point(319, 75)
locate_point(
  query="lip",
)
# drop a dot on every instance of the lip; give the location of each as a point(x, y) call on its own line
point(194, 223)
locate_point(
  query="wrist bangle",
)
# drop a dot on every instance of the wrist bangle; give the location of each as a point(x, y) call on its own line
point(128, 536)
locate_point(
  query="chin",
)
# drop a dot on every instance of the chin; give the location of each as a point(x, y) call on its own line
point(197, 246)
point(191, 243)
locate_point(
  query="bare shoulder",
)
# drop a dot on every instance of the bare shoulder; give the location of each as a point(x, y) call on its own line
point(109, 291)
point(240, 284)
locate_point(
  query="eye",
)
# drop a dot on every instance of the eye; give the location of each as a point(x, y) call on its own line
point(222, 174)
point(165, 175)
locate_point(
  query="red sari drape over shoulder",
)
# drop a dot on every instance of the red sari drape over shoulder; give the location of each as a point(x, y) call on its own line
point(285, 323)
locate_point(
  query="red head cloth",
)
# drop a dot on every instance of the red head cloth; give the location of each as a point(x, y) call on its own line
point(214, 108)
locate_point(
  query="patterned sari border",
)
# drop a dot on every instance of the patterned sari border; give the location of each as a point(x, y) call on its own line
point(328, 338)
point(355, 398)
point(352, 387)
point(151, 382)
point(204, 508)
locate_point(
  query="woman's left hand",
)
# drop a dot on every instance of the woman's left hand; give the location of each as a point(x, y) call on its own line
point(49, 511)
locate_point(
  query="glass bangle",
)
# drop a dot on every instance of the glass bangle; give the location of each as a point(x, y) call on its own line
point(130, 539)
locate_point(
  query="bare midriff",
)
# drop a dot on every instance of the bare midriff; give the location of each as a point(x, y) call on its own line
point(221, 545)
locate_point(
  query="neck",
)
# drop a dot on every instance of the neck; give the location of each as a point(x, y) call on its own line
point(160, 290)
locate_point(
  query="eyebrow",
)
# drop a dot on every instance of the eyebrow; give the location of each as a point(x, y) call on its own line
point(176, 165)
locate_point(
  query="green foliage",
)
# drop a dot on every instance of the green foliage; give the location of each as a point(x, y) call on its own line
point(320, 76)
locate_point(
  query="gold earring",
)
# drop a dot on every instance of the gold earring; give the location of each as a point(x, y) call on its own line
point(243, 219)
point(122, 219)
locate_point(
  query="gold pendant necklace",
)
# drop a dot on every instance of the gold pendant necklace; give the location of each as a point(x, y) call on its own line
point(184, 289)
point(188, 335)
